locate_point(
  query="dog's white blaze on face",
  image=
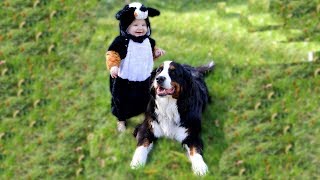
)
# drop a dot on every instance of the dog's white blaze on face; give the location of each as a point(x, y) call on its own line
point(164, 73)
point(199, 167)
point(140, 156)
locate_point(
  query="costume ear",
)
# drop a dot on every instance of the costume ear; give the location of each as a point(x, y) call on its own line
point(153, 12)
point(119, 13)
point(125, 12)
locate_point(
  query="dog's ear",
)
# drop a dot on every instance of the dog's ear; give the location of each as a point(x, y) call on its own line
point(153, 74)
point(186, 96)
point(153, 12)
point(152, 77)
point(188, 82)
point(152, 91)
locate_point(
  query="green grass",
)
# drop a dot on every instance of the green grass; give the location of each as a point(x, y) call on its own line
point(55, 119)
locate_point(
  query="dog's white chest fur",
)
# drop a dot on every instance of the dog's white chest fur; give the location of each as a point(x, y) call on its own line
point(169, 119)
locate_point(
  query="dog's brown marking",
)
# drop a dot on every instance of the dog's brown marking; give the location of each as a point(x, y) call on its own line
point(193, 150)
point(177, 89)
point(172, 67)
point(146, 142)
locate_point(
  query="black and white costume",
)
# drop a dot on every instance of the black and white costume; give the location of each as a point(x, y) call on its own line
point(134, 56)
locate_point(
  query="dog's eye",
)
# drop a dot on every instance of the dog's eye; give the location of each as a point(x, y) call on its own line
point(159, 69)
point(172, 72)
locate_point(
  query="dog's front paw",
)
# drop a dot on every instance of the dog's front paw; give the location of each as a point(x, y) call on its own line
point(135, 164)
point(199, 167)
point(139, 158)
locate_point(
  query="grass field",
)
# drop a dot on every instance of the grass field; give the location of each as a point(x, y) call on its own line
point(55, 119)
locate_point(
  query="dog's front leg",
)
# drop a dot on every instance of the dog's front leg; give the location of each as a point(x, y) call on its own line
point(194, 151)
point(145, 140)
point(140, 155)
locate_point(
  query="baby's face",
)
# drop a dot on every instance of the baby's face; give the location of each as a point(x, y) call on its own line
point(138, 28)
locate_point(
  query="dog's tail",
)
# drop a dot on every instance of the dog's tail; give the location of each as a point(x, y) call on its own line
point(205, 69)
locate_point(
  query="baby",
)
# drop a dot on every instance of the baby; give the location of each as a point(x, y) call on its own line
point(130, 61)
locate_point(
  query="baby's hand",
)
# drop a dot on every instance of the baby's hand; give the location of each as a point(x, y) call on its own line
point(159, 52)
point(114, 71)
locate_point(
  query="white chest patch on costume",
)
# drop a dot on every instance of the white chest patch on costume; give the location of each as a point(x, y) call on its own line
point(138, 63)
point(169, 119)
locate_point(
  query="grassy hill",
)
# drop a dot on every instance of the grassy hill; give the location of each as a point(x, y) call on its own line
point(55, 119)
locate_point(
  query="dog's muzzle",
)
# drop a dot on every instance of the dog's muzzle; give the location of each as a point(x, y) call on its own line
point(160, 80)
point(161, 90)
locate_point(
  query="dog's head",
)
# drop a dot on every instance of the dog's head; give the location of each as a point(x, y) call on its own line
point(170, 79)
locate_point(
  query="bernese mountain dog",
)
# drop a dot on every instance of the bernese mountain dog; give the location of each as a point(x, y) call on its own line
point(179, 95)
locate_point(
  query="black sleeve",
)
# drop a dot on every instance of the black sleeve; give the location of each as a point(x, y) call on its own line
point(119, 45)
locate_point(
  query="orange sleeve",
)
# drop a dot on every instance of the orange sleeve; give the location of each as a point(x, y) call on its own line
point(112, 59)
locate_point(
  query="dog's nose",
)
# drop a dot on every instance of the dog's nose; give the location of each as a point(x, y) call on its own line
point(160, 79)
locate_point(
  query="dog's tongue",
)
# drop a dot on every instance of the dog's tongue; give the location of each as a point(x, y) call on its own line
point(163, 92)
